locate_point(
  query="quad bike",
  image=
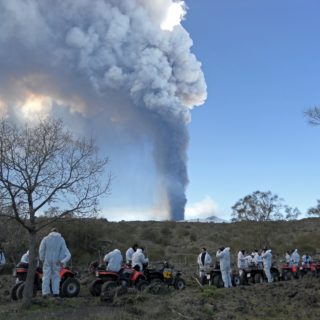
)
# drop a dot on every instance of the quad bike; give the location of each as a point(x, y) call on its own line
point(308, 269)
point(213, 276)
point(165, 273)
point(317, 268)
point(69, 285)
point(289, 272)
point(255, 274)
point(106, 280)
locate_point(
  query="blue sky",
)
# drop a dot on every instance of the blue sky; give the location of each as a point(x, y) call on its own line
point(261, 63)
point(262, 68)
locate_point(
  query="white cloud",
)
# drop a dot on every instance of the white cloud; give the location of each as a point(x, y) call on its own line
point(135, 214)
point(202, 209)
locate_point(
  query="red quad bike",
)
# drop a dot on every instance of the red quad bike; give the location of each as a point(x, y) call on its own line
point(165, 273)
point(69, 285)
point(317, 268)
point(289, 272)
point(213, 276)
point(308, 269)
point(107, 280)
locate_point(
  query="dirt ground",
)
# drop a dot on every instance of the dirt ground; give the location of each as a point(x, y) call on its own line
point(295, 299)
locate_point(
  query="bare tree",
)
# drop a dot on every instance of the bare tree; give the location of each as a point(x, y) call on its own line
point(313, 115)
point(44, 167)
point(315, 211)
point(262, 206)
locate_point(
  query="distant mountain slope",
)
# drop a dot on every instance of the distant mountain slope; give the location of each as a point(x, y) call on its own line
point(212, 219)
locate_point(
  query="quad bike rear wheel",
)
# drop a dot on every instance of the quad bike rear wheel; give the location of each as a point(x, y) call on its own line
point(218, 282)
point(70, 288)
point(275, 276)
point(108, 286)
point(179, 284)
point(21, 288)
point(156, 285)
point(95, 287)
point(258, 278)
point(142, 285)
point(13, 292)
point(287, 275)
point(108, 291)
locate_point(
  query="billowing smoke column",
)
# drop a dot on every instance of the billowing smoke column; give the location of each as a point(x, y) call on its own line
point(122, 58)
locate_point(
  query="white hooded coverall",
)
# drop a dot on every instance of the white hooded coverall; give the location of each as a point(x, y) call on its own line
point(207, 263)
point(138, 259)
point(52, 251)
point(114, 260)
point(295, 257)
point(267, 261)
point(2, 259)
point(129, 254)
point(225, 267)
point(25, 257)
point(242, 263)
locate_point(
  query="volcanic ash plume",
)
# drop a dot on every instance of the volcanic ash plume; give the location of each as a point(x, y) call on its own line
point(124, 59)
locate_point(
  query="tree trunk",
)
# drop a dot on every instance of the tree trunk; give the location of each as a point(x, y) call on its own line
point(28, 288)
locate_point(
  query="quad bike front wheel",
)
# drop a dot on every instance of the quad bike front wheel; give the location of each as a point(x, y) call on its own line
point(95, 287)
point(236, 281)
point(179, 284)
point(70, 288)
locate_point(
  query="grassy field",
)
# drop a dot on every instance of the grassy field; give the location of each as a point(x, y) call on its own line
point(179, 243)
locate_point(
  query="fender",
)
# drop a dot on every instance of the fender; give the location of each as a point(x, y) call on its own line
point(137, 276)
point(107, 274)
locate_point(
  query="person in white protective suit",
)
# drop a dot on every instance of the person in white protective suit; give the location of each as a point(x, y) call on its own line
point(53, 252)
point(295, 256)
point(241, 262)
point(129, 254)
point(25, 258)
point(267, 262)
point(306, 259)
point(223, 254)
point(288, 258)
point(139, 260)
point(2, 259)
point(204, 261)
point(257, 259)
point(113, 260)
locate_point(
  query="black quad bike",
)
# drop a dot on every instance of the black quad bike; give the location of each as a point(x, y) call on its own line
point(213, 277)
point(165, 273)
point(69, 285)
point(255, 274)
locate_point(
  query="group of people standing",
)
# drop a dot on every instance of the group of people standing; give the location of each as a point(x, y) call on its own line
point(53, 254)
point(205, 261)
point(293, 258)
point(135, 258)
point(261, 258)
